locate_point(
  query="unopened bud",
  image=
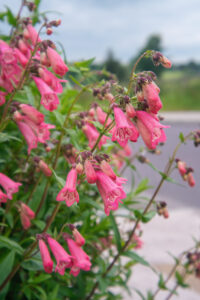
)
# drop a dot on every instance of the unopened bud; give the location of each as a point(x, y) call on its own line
point(44, 168)
point(130, 111)
point(79, 168)
point(49, 30)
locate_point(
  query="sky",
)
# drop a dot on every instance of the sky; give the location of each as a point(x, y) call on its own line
point(91, 27)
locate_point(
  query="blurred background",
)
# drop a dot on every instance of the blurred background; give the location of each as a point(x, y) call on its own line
point(115, 32)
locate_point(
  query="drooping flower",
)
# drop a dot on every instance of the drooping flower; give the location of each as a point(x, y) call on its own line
point(44, 168)
point(124, 129)
point(49, 98)
point(150, 129)
point(51, 80)
point(130, 111)
point(190, 179)
point(181, 167)
point(110, 192)
point(63, 259)
point(11, 187)
point(57, 64)
point(33, 114)
point(46, 258)
point(79, 239)
point(90, 172)
point(21, 57)
point(92, 134)
point(81, 260)
point(151, 94)
point(26, 215)
point(32, 34)
point(69, 193)
point(29, 135)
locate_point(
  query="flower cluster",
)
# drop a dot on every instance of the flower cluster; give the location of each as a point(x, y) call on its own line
point(78, 260)
point(31, 124)
point(185, 172)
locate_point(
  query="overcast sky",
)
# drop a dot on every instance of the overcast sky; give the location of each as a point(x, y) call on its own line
point(91, 27)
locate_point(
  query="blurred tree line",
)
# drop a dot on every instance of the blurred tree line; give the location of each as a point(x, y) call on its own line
point(122, 71)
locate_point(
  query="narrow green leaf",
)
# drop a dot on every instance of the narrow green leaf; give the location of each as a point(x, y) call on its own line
point(142, 186)
point(60, 180)
point(181, 137)
point(136, 258)
point(116, 231)
point(6, 265)
point(10, 244)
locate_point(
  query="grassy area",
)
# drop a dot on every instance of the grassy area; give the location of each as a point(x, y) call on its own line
point(180, 90)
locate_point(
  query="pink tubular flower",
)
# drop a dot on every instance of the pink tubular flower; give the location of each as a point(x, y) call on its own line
point(32, 34)
point(81, 260)
point(92, 134)
point(3, 197)
point(182, 167)
point(124, 130)
point(90, 172)
point(21, 57)
point(69, 193)
point(101, 117)
point(46, 258)
point(50, 79)
point(152, 97)
point(33, 114)
point(111, 193)
point(130, 111)
point(9, 185)
point(79, 239)
point(63, 259)
point(106, 168)
point(29, 135)
point(49, 98)
point(190, 179)
point(150, 129)
point(26, 215)
point(44, 168)
point(57, 64)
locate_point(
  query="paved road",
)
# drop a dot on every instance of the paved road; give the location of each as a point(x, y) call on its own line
point(176, 196)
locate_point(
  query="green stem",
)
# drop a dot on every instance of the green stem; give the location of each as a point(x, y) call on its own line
point(133, 71)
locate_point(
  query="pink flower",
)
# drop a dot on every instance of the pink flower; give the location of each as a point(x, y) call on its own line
point(32, 34)
point(44, 168)
point(138, 243)
point(124, 130)
point(150, 129)
point(111, 193)
point(190, 179)
point(152, 97)
point(57, 64)
point(29, 135)
point(92, 134)
point(7, 54)
point(51, 80)
point(181, 167)
point(130, 111)
point(46, 258)
point(21, 57)
point(63, 259)
point(26, 215)
point(101, 117)
point(49, 98)
point(3, 197)
point(90, 172)
point(69, 193)
point(33, 114)
point(6, 84)
point(79, 239)
point(24, 48)
point(106, 168)
point(11, 187)
point(81, 260)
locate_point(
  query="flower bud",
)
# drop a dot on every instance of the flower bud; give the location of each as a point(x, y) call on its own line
point(44, 168)
point(130, 111)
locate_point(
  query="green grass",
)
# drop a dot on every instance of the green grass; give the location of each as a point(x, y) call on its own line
point(180, 91)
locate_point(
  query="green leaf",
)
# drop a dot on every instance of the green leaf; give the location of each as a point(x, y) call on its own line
point(60, 180)
point(10, 17)
point(180, 280)
point(39, 224)
point(42, 277)
point(142, 186)
point(92, 203)
point(6, 265)
point(161, 283)
point(181, 137)
point(33, 264)
point(4, 137)
point(148, 216)
point(116, 231)
point(136, 258)
point(85, 64)
point(59, 117)
point(29, 95)
point(10, 244)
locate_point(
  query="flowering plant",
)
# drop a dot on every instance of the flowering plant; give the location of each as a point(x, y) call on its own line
point(61, 186)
